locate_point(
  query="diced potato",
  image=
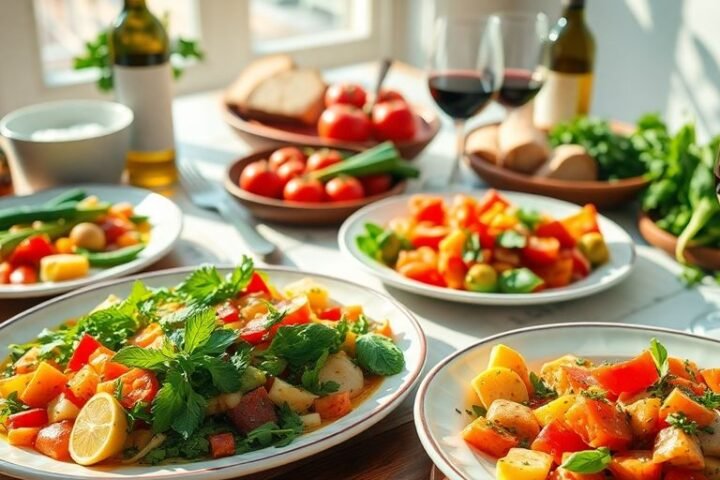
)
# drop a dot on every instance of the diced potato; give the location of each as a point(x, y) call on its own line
point(504, 356)
point(644, 417)
point(678, 448)
point(554, 409)
point(61, 408)
point(63, 266)
point(710, 442)
point(499, 383)
point(553, 373)
point(23, 437)
point(16, 383)
point(712, 468)
point(516, 418)
point(489, 438)
point(340, 369)
point(522, 464)
point(311, 420)
point(298, 400)
point(316, 293)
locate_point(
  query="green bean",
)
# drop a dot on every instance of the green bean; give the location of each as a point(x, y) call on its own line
point(30, 213)
point(139, 219)
point(90, 213)
point(72, 195)
point(112, 258)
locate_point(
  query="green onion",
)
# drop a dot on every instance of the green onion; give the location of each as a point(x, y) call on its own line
point(383, 158)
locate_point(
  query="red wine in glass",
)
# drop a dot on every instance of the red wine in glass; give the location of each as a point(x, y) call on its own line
point(461, 94)
point(518, 87)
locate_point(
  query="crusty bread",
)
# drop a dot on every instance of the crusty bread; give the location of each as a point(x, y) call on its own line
point(293, 96)
point(569, 162)
point(483, 142)
point(523, 148)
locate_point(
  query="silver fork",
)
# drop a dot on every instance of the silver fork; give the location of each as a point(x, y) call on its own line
point(206, 195)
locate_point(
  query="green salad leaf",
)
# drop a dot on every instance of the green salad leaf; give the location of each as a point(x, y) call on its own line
point(303, 344)
point(378, 355)
point(588, 461)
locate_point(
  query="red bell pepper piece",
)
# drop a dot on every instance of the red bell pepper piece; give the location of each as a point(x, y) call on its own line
point(31, 250)
point(84, 349)
point(557, 438)
point(228, 313)
point(488, 200)
point(581, 265)
point(631, 376)
point(257, 284)
point(222, 445)
point(428, 235)
point(427, 208)
point(332, 313)
point(35, 417)
point(558, 231)
point(261, 329)
point(541, 250)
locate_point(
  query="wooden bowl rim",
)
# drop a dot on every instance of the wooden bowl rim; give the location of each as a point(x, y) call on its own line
point(645, 220)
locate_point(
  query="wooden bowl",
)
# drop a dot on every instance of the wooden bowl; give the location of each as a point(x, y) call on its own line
point(261, 135)
point(295, 213)
point(705, 257)
point(603, 194)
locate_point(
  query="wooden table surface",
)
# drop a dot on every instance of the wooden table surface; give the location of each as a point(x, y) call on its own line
point(391, 449)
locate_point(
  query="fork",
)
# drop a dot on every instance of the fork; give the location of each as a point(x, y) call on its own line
point(208, 196)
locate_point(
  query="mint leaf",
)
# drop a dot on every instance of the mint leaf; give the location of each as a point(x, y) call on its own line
point(205, 286)
point(588, 461)
point(138, 294)
point(169, 402)
point(511, 239)
point(303, 344)
point(198, 329)
point(147, 358)
point(10, 405)
point(361, 326)
point(201, 283)
point(288, 428)
point(310, 378)
point(110, 326)
point(225, 375)
point(218, 342)
point(192, 414)
point(660, 356)
point(378, 355)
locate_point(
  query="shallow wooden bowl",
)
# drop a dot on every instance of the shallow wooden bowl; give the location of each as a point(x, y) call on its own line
point(294, 213)
point(603, 194)
point(261, 135)
point(705, 257)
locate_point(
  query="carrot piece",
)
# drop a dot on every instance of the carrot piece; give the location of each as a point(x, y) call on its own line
point(83, 384)
point(333, 406)
point(678, 449)
point(678, 402)
point(147, 336)
point(635, 465)
point(352, 312)
point(599, 423)
point(23, 437)
point(686, 369)
point(489, 438)
point(712, 378)
point(54, 440)
point(222, 445)
point(46, 383)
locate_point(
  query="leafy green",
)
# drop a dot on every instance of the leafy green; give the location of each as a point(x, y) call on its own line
point(518, 280)
point(303, 344)
point(479, 410)
point(205, 286)
point(472, 249)
point(660, 356)
point(511, 239)
point(529, 218)
point(380, 244)
point(10, 405)
point(588, 461)
point(310, 378)
point(681, 421)
point(280, 434)
point(542, 390)
point(378, 355)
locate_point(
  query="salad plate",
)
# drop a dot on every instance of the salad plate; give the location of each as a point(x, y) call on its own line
point(376, 401)
point(163, 216)
point(445, 401)
point(618, 266)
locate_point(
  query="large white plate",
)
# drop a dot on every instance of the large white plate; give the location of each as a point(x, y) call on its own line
point(26, 463)
point(164, 216)
point(447, 386)
point(622, 253)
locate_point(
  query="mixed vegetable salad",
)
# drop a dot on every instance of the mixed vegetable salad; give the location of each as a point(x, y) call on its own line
point(215, 366)
point(487, 245)
point(62, 238)
point(648, 418)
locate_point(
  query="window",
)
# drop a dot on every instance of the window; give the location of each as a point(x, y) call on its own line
point(63, 27)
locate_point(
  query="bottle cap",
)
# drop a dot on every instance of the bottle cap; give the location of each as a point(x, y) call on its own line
point(574, 3)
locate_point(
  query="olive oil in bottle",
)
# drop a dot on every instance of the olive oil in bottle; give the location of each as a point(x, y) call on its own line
point(568, 88)
point(143, 81)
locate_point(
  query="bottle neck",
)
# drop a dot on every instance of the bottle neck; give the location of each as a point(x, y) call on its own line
point(134, 5)
point(574, 11)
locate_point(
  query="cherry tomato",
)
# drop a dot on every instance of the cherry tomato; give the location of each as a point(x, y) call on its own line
point(31, 250)
point(344, 189)
point(114, 228)
point(304, 190)
point(257, 178)
point(388, 96)
point(5, 269)
point(344, 122)
point(393, 121)
point(346, 94)
point(23, 275)
point(228, 313)
point(323, 158)
point(376, 184)
point(283, 155)
point(137, 385)
point(290, 170)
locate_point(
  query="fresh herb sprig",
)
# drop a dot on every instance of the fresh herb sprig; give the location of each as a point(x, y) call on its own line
point(588, 461)
point(681, 421)
point(542, 390)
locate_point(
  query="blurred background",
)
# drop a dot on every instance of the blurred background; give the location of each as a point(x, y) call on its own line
point(653, 55)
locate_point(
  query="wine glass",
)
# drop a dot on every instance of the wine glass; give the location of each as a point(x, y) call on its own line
point(465, 70)
point(525, 45)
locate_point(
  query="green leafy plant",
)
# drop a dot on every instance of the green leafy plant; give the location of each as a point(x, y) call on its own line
point(588, 461)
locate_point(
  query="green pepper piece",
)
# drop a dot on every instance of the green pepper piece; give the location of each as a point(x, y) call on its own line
point(519, 280)
point(112, 258)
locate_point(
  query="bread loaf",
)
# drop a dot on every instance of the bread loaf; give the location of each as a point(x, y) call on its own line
point(293, 96)
point(523, 148)
point(483, 142)
point(253, 75)
point(569, 162)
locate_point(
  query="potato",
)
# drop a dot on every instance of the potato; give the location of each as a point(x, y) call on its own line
point(311, 420)
point(522, 464)
point(16, 383)
point(516, 418)
point(298, 400)
point(340, 369)
point(504, 356)
point(499, 383)
point(61, 408)
point(678, 449)
point(644, 417)
point(553, 374)
point(316, 293)
point(712, 468)
point(555, 409)
point(223, 403)
point(710, 442)
point(63, 266)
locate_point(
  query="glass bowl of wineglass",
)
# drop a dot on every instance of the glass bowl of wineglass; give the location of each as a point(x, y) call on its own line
point(465, 70)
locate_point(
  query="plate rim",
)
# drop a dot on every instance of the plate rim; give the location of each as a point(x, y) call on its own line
point(292, 455)
point(450, 295)
point(423, 431)
point(142, 262)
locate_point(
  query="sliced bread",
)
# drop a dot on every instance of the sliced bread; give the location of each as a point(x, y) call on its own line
point(253, 75)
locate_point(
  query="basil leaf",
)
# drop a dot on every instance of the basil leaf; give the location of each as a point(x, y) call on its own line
point(529, 218)
point(378, 355)
point(472, 249)
point(303, 344)
point(511, 239)
point(147, 358)
point(588, 461)
point(660, 356)
point(519, 280)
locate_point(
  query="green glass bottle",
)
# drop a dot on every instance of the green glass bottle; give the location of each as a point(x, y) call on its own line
point(143, 81)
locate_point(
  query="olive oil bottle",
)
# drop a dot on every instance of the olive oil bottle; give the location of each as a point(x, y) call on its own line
point(568, 88)
point(143, 81)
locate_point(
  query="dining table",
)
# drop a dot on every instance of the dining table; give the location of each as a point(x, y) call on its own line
point(653, 294)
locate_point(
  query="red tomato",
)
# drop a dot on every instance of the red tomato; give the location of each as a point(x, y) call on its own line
point(115, 227)
point(257, 284)
point(31, 250)
point(345, 94)
point(556, 274)
point(490, 199)
point(393, 121)
point(344, 189)
point(579, 379)
point(599, 423)
point(138, 385)
point(423, 272)
point(323, 158)
point(426, 234)
point(257, 178)
point(557, 438)
point(376, 184)
point(343, 122)
point(228, 313)
point(331, 313)
point(636, 464)
point(581, 265)
point(541, 250)
point(290, 170)
point(5, 269)
point(81, 355)
point(54, 440)
point(389, 96)
point(427, 208)
point(259, 330)
point(283, 155)
point(304, 190)
point(222, 445)
point(23, 275)
point(557, 230)
point(631, 376)
point(35, 417)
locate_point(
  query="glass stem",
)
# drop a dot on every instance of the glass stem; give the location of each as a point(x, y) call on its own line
point(460, 153)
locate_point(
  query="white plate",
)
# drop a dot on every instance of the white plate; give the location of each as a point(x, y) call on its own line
point(164, 216)
point(622, 253)
point(447, 386)
point(26, 463)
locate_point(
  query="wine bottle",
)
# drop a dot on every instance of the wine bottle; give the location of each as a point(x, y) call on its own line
point(142, 78)
point(568, 87)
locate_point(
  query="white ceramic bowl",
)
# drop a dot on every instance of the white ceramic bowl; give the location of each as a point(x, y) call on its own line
point(98, 155)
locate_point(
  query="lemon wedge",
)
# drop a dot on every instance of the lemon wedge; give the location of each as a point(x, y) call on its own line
point(100, 430)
